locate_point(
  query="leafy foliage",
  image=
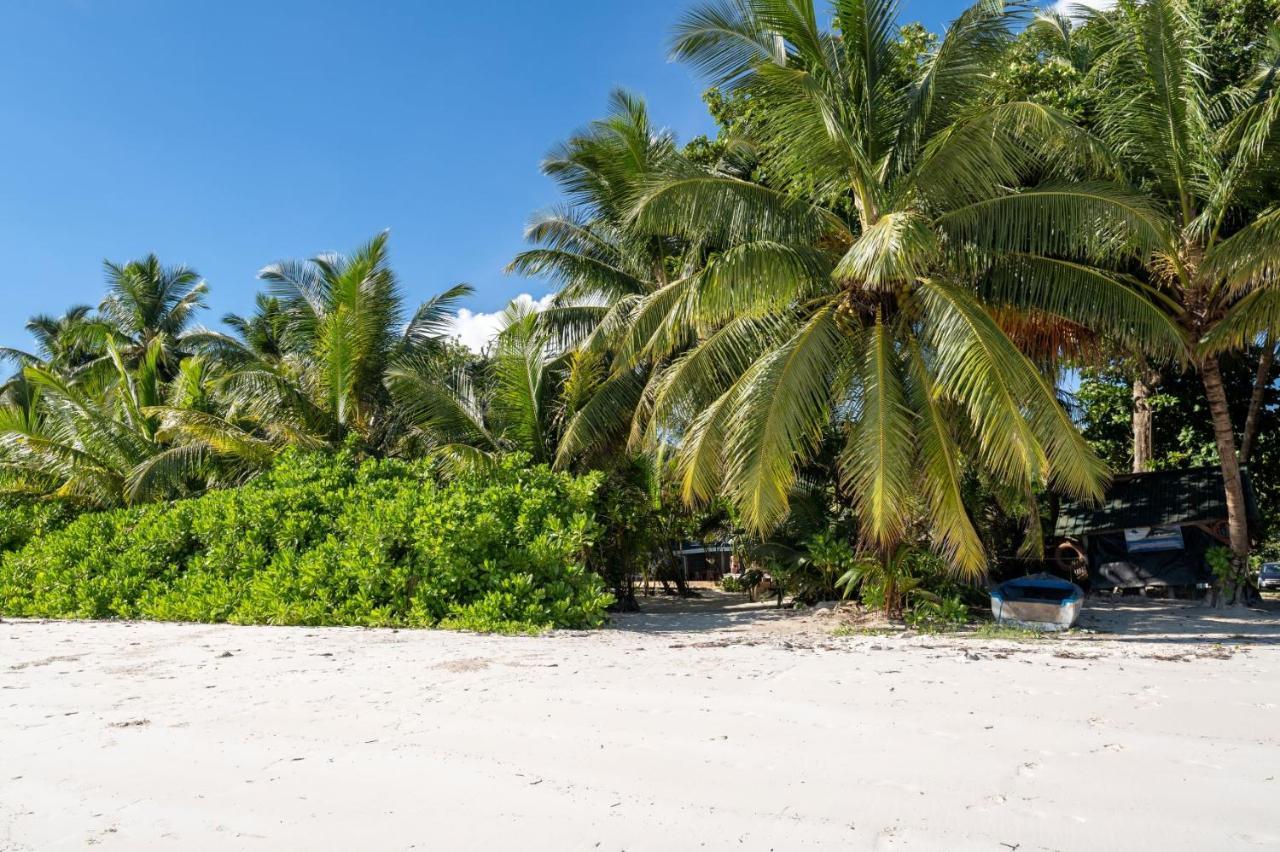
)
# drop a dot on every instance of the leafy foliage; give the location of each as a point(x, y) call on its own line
point(323, 540)
point(1183, 427)
point(837, 330)
point(22, 520)
point(876, 276)
point(938, 614)
point(133, 404)
point(808, 572)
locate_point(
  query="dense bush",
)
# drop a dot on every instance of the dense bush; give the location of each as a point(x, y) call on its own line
point(323, 540)
point(22, 520)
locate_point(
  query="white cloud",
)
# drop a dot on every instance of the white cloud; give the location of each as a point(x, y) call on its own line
point(1068, 7)
point(475, 330)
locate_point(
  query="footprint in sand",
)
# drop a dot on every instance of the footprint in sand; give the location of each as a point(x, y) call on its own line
point(46, 661)
point(130, 723)
point(990, 802)
point(468, 664)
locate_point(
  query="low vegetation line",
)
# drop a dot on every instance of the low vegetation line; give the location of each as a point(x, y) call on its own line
point(323, 540)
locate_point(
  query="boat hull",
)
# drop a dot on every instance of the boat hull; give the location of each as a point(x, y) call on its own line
point(1038, 602)
point(1036, 615)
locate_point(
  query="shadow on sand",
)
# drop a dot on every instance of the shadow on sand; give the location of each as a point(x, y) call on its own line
point(1133, 619)
point(712, 609)
point(1119, 619)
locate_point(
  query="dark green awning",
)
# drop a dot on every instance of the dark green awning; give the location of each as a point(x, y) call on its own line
point(1160, 498)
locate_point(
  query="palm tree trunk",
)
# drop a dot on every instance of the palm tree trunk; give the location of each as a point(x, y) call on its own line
point(1224, 436)
point(1144, 383)
point(1260, 383)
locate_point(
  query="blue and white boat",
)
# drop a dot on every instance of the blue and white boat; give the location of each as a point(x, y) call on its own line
point(1038, 602)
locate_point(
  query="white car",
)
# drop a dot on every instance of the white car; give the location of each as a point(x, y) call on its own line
point(1269, 576)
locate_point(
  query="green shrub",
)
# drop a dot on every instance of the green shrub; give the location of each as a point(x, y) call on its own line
point(745, 582)
point(935, 613)
point(321, 540)
point(22, 520)
point(873, 595)
point(914, 583)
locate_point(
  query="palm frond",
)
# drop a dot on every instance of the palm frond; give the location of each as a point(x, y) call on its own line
point(1025, 436)
point(898, 248)
point(725, 40)
point(603, 418)
point(876, 461)
point(728, 210)
point(1118, 307)
point(941, 466)
point(433, 320)
point(1254, 315)
point(1078, 220)
point(783, 403)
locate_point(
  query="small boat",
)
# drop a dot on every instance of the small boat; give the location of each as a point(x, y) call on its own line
point(1038, 602)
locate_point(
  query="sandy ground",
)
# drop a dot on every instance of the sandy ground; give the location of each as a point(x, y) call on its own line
point(699, 726)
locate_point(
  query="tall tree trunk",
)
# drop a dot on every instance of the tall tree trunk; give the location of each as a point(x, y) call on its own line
point(1224, 436)
point(1144, 382)
point(1260, 384)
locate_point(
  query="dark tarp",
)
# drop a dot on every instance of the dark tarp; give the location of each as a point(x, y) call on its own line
point(1166, 498)
point(1112, 565)
point(1157, 499)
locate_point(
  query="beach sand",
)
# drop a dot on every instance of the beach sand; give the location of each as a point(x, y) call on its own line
point(693, 726)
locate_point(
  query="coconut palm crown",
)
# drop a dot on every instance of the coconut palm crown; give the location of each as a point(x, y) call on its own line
point(855, 292)
point(1205, 165)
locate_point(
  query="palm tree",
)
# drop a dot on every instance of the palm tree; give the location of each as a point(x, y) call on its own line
point(149, 304)
point(63, 343)
point(589, 247)
point(511, 403)
point(68, 345)
point(111, 410)
point(609, 272)
point(1204, 165)
point(262, 332)
point(102, 440)
point(853, 293)
point(307, 369)
point(312, 364)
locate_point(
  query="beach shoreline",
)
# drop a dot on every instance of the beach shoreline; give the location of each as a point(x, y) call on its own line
point(751, 728)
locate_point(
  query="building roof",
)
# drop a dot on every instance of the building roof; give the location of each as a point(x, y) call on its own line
point(687, 548)
point(1160, 498)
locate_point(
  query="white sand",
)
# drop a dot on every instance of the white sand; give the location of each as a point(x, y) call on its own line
point(763, 733)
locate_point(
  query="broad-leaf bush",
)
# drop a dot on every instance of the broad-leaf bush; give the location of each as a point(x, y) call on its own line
point(324, 540)
point(22, 520)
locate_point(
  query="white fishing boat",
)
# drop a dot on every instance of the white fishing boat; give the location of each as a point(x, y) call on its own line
point(1038, 602)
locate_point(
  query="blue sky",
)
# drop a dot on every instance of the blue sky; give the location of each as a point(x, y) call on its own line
point(226, 135)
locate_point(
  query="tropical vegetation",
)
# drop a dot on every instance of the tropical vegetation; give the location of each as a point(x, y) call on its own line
point(918, 288)
point(321, 539)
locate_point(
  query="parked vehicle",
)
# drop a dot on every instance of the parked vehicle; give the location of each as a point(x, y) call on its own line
point(1269, 576)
